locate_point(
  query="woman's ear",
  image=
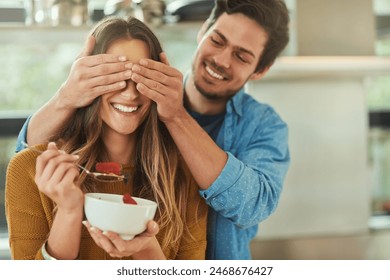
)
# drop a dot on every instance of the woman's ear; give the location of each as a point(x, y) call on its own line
point(258, 75)
point(202, 31)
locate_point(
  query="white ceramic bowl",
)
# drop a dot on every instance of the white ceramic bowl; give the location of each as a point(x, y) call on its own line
point(108, 213)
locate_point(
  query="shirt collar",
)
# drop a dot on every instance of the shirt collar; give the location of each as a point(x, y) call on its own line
point(236, 102)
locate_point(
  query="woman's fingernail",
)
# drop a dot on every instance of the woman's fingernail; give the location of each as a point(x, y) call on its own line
point(122, 58)
point(84, 223)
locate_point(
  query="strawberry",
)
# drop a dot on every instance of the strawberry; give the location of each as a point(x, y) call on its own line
point(109, 167)
point(128, 199)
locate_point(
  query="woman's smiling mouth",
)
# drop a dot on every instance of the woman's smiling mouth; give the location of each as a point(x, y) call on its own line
point(125, 109)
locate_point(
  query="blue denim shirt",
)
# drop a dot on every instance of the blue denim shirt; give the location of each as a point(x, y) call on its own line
point(22, 137)
point(248, 189)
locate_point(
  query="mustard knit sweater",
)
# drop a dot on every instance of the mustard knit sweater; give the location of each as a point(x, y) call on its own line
point(30, 216)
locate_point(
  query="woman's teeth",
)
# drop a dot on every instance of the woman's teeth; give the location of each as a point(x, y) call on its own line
point(213, 74)
point(124, 108)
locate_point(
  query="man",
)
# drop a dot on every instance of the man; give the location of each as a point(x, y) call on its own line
point(235, 147)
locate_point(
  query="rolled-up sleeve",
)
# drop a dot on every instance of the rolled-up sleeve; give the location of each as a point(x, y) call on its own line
point(248, 189)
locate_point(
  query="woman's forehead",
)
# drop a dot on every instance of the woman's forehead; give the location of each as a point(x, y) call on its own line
point(133, 49)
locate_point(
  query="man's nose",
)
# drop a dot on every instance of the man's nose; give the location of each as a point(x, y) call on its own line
point(223, 58)
point(130, 91)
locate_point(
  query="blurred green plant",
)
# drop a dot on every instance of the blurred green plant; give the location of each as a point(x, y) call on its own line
point(378, 94)
point(31, 74)
point(378, 91)
point(382, 47)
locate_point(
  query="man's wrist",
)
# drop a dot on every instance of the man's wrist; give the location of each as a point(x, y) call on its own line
point(180, 117)
point(59, 101)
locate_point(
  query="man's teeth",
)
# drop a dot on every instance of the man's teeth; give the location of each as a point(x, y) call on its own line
point(124, 108)
point(212, 73)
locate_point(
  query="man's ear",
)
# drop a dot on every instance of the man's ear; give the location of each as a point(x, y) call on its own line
point(258, 75)
point(202, 31)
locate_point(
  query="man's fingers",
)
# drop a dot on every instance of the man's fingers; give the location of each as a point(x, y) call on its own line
point(95, 60)
point(107, 68)
point(111, 69)
point(149, 64)
point(99, 90)
point(164, 58)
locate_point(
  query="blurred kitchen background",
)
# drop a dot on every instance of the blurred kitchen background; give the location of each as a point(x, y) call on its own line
point(331, 85)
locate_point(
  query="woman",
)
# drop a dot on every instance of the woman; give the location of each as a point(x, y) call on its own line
point(45, 193)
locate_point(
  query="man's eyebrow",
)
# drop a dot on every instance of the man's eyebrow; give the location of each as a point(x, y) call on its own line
point(239, 48)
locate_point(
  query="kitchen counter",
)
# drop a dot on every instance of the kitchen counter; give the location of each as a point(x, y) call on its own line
point(292, 67)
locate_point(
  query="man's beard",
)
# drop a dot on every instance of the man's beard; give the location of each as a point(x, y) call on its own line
point(207, 95)
point(212, 96)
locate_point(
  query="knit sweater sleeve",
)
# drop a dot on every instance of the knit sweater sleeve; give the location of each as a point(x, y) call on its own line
point(28, 212)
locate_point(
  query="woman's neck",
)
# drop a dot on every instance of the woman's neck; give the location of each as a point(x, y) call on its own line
point(120, 148)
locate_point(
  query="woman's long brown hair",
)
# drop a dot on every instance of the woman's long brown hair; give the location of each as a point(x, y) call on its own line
point(159, 175)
